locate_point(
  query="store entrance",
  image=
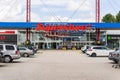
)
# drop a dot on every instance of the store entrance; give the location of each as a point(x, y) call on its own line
point(40, 46)
point(54, 45)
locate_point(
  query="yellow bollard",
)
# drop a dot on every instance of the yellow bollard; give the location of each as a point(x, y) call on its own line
point(73, 48)
point(64, 48)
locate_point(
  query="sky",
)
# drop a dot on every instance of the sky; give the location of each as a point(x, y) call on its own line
point(55, 10)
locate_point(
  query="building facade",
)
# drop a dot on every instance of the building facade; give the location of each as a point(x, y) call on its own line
point(61, 34)
point(55, 40)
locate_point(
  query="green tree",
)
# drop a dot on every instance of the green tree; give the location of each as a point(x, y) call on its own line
point(108, 18)
point(118, 17)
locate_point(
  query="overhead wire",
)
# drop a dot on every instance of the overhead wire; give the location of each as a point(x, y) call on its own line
point(4, 7)
point(12, 5)
point(112, 5)
point(116, 3)
point(91, 9)
point(76, 10)
point(51, 13)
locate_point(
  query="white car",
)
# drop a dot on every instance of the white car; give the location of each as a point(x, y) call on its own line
point(94, 51)
point(9, 52)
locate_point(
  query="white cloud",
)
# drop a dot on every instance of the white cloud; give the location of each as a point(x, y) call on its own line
point(9, 8)
point(45, 9)
point(12, 11)
point(35, 17)
point(70, 5)
point(22, 18)
point(64, 19)
point(73, 5)
point(49, 2)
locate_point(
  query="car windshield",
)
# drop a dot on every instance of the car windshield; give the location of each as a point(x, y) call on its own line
point(87, 47)
point(118, 50)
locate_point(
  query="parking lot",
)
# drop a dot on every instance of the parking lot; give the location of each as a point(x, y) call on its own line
point(59, 65)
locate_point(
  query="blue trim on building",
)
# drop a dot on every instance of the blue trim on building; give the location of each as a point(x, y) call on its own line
point(19, 25)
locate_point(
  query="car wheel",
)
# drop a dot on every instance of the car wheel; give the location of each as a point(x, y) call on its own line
point(116, 61)
point(93, 55)
point(7, 59)
point(25, 55)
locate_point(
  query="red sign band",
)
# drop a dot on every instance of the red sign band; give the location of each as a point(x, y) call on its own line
point(40, 26)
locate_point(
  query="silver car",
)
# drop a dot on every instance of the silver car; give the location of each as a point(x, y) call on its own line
point(9, 52)
point(25, 52)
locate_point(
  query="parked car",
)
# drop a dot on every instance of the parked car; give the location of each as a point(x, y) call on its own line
point(35, 49)
point(84, 48)
point(1, 56)
point(94, 51)
point(25, 52)
point(32, 48)
point(9, 52)
point(114, 56)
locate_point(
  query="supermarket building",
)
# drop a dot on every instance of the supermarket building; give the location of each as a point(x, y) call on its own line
point(53, 35)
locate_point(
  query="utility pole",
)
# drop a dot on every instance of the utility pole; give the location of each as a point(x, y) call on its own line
point(28, 18)
point(98, 20)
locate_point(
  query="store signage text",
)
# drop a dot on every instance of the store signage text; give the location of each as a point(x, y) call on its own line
point(40, 26)
point(7, 32)
point(2, 37)
point(8, 38)
point(113, 37)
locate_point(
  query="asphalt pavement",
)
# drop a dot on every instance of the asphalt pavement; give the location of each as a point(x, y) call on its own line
point(59, 65)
